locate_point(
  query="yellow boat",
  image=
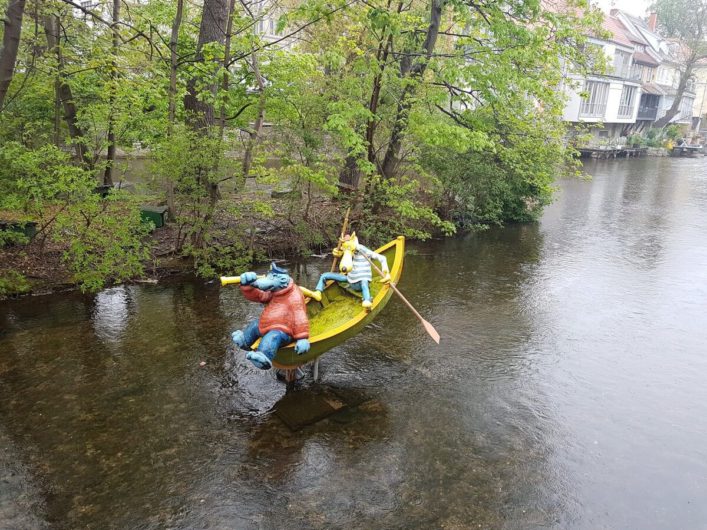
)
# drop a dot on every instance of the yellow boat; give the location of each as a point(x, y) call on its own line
point(340, 315)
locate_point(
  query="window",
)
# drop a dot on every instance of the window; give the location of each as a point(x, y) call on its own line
point(622, 63)
point(594, 104)
point(649, 102)
point(636, 71)
point(648, 74)
point(628, 96)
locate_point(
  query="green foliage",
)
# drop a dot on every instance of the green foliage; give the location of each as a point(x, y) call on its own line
point(13, 283)
point(32, 178)
point(654, 137)
point(634, 140)
point(476, 120)
point(103, 237)
point(106, 240)
point(672, 132)
point(189, 177)
point(12, 237)
point(397, 208)
point(216, 259)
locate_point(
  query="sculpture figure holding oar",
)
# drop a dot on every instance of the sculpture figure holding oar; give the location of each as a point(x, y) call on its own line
point(354, 268)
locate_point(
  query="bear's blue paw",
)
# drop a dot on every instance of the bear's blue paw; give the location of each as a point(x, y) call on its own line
point(239, 339)
point(259, 360)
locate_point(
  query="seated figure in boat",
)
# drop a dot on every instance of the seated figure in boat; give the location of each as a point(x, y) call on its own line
point(283, 320)
point(354, 268)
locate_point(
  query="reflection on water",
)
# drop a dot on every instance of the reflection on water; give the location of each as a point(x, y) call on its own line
point(568, 391)
point(110, 317)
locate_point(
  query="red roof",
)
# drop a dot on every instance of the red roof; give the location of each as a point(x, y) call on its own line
point(617, 31)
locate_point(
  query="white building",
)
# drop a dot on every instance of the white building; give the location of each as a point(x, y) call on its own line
point(659, 84)
point(609, 100)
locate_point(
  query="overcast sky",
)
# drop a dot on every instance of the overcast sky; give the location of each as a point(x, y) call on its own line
point(634, 7)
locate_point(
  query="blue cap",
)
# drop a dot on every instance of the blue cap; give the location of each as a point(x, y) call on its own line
point(277, 270)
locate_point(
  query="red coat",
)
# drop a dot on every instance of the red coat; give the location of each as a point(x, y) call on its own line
point(284, 310)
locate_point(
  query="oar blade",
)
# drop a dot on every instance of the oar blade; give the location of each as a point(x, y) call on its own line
point(428, 327)
point(431, 330)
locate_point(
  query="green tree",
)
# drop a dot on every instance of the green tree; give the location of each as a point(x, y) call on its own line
point(686, 22)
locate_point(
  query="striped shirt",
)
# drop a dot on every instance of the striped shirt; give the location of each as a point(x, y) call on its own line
point(361, 268)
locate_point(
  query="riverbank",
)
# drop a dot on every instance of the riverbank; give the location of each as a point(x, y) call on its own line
point(269, 232)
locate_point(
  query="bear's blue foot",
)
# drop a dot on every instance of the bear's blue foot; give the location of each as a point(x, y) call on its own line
point(259, 360)
point(239, 339)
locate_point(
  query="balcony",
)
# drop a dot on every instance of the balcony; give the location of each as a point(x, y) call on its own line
point(625, 111)
point(647, 113)
point(592, 110)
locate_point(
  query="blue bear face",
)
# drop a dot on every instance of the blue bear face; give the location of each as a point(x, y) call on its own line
point(275, 280)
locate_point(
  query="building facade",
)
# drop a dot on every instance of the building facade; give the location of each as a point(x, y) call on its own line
point(609, 100)
point(640, 85)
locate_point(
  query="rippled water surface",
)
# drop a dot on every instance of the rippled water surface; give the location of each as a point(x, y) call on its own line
point(569, 390)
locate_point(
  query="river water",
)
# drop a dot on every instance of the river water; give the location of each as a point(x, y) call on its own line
point(568, 390)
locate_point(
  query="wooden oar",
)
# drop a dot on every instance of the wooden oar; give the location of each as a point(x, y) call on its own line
point(343, 233)
point(428, 327)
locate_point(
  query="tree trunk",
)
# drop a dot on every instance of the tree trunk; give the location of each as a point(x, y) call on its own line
point(382, 58)
point(65, 95)
point(675, 107)
point(110, 157)
point(375, 98)
point(173, 64)
point(212, 29)
point(259, 120)
point(10, 45)
point(350, 175)
point(200, 114)
point(226, 61)
point(411, 69)
point(173, 40)
point(57, 111)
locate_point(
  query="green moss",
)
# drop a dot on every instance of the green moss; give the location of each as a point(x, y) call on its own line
point(342, 308)
point(335, 314)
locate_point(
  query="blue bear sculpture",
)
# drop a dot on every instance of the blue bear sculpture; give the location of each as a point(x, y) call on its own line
point(283, 320)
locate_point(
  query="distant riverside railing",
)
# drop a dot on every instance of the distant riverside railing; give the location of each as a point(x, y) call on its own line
point(592, 110)
point(647, 113)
